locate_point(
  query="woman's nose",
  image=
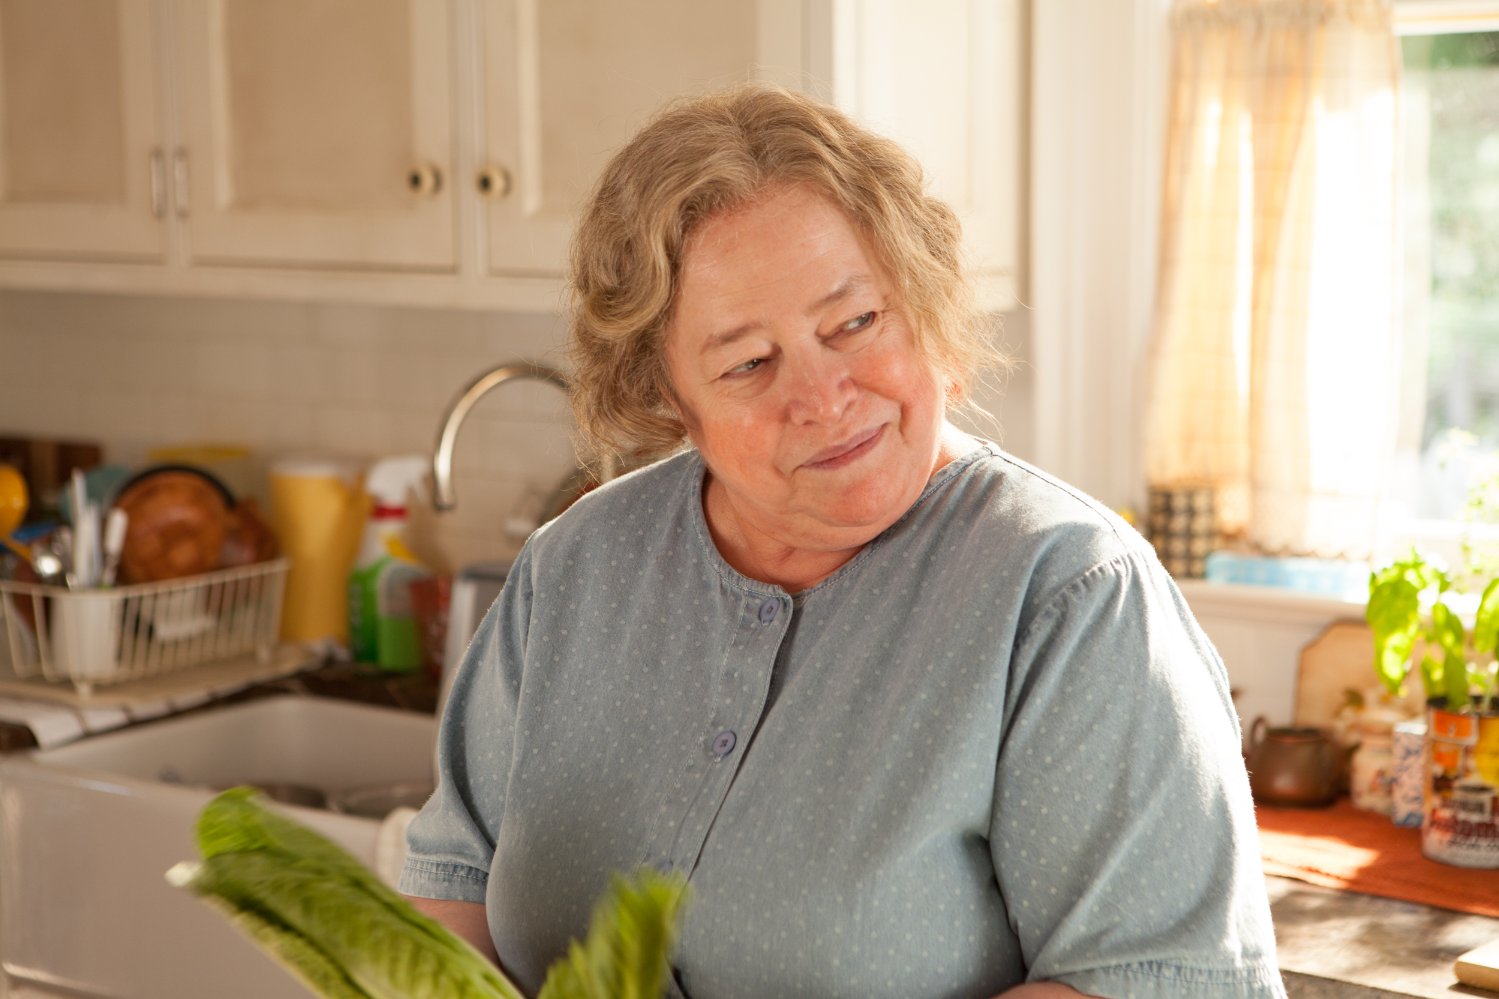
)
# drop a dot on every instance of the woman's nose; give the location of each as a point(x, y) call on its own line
point(819, 390)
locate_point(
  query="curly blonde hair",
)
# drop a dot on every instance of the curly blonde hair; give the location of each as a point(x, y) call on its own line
point(702, 156)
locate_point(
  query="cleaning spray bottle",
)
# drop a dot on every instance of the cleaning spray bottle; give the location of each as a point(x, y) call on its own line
point(382, 625)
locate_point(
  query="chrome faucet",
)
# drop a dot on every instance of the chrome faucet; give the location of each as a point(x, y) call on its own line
point(442, 458)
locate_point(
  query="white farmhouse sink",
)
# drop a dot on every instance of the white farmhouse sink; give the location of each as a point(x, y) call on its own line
point(87, 831)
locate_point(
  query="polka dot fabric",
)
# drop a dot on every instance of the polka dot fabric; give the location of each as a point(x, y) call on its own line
point(993, 747)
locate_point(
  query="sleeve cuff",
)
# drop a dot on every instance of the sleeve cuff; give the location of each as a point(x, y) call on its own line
point(443, 879)
point(1160, 980)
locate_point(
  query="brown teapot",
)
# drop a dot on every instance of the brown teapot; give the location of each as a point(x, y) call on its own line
point(1292, 766)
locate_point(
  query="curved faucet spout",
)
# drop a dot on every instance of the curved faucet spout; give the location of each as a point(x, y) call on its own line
point(442, 459)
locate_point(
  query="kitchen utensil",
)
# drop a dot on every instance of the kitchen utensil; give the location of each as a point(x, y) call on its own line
point(1298, 767)
point(114, 543)
point(178, 517)
point(49, 566)
point(1479, 966)
point(474, 588)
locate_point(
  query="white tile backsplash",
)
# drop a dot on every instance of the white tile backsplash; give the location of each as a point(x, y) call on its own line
point(137, 372)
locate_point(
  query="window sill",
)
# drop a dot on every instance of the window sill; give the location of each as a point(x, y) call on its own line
point(1267, 603)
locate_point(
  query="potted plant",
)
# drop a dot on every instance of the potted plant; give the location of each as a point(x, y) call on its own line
point(1415, 612)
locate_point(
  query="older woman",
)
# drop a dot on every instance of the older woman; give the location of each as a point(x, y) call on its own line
point(915, 718)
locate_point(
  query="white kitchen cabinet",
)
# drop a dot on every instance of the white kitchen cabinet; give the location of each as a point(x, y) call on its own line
point(947, 79)
point(436, 151)
point(82, 165)
point(315, 133)
point(567, 82)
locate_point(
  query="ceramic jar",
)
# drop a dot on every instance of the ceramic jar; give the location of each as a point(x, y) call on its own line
point(1372, 770)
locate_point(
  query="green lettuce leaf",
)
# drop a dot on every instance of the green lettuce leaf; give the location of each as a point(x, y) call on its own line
point(342, 931)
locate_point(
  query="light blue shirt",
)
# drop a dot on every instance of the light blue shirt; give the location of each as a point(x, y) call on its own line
point(993, 747)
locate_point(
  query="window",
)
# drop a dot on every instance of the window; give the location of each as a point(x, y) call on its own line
point(1450, 290)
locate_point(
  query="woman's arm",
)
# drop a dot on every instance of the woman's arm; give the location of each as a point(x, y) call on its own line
point(466, 919)
point(1040, 990)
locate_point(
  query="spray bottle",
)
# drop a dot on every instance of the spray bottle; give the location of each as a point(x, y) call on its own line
point(382, 626)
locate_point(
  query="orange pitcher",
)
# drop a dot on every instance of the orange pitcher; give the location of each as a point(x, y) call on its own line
point(318, 508)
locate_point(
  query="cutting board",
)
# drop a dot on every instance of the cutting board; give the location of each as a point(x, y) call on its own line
point(1339, 659)
point(1479, 966)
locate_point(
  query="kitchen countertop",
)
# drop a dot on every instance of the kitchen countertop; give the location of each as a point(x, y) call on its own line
point(1345, 945)
point(1332, 944)
point(345, 681)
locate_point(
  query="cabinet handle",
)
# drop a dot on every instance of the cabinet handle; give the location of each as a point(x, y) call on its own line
point(494, 182)
point(179, 182)
point(158, 183)
point(425, 179)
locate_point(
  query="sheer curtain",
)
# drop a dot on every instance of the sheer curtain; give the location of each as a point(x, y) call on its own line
point(1276, 354)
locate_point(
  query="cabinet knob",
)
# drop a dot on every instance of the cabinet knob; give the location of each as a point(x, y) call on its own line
point(494, 182)
point(424, 179)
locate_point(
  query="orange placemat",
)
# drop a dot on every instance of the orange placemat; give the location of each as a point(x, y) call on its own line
point(1345, 847)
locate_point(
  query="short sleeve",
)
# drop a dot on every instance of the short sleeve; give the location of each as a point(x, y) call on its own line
point(1122, 831)
point(451, 841)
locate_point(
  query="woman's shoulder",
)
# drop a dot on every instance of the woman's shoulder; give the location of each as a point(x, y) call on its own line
point(635, 505)
point(1027, 502)
point(1033, 524)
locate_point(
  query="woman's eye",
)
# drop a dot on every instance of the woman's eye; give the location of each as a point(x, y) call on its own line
point(857, 323)
point(746, 367)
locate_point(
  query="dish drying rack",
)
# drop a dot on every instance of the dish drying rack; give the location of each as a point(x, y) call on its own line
point(92, 638)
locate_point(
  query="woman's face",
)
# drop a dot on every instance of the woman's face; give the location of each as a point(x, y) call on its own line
point(802, 387)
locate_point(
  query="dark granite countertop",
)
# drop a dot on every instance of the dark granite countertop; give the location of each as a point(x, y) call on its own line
point(1344, 945)
point(346, 681)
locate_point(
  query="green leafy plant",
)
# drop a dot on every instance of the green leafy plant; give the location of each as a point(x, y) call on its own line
point(343, 932)
point(1410, 602)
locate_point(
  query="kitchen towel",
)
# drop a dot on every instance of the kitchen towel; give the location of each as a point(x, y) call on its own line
point(1344, 847)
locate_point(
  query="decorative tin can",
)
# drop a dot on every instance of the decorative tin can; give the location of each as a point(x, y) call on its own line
point(1460, 823)
point(1407, 747)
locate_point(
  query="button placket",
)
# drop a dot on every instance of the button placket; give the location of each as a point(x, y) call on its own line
point(745, 685)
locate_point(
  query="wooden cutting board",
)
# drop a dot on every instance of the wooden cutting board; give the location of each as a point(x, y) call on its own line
point(1479, 966)
point(1340, 659)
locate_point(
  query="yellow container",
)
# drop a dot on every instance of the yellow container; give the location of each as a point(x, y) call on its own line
point(318, 508)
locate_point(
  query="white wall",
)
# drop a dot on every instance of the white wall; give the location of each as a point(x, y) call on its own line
point(133, 373)
point(136, 372)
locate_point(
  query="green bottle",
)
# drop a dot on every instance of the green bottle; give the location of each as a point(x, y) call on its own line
point(383, 628)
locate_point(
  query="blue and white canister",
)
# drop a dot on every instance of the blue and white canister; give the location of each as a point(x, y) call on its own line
point(1407, 749)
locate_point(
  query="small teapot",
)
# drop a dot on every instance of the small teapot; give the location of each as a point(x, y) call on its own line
point(1292, 766)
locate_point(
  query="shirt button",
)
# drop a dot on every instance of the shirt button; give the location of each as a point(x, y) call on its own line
point(723, 743)
point(768, 611)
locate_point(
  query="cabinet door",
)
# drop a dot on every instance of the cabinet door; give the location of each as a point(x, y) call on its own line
point(566, 83)
point(946, 79)
point(80, 149)
point(317, 132)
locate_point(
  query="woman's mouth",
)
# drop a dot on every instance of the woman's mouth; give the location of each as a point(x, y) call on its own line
point(839, 455)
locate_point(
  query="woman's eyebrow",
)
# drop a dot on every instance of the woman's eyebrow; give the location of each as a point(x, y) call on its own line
point(845, 288)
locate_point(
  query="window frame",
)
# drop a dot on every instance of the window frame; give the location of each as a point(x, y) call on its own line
point(1444, 538)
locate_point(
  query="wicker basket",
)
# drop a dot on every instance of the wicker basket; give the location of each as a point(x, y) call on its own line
point(108, 636)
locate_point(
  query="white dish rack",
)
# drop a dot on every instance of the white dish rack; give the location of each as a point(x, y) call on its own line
point(100, 637)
